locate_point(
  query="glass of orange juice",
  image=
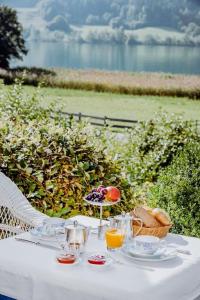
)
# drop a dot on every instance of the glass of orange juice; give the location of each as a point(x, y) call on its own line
point(115, 234)
point(114, 238)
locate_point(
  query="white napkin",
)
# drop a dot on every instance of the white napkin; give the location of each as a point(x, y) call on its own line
point(89, 222)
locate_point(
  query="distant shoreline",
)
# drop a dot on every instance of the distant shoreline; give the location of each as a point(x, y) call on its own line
point(109, 43)
point(148, 36)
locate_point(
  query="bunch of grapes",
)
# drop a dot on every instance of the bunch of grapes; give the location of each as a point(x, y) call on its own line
point(97, 195)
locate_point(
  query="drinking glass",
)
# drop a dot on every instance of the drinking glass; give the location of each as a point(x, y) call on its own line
point(114, 235)
point(53, 226)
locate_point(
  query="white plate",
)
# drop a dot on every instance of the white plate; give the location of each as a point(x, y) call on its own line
point(164, 254)
point(104, 203)
point(133, 251)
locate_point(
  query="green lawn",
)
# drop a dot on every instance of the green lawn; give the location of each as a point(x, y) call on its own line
point(116, 105)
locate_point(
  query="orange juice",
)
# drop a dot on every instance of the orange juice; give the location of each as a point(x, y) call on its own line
point(114, 238)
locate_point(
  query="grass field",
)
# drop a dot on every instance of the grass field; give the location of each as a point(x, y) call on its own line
point(116, 105)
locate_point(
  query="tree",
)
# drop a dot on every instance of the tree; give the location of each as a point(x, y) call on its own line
point(12, 44)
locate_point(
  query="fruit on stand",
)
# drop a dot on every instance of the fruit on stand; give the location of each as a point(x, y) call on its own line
point(113, 194)
point(102, 193)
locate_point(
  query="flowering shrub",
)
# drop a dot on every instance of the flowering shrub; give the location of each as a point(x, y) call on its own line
point(54, 164)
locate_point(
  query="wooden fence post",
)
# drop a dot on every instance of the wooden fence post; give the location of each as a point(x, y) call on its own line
point(196, 124)
point(71, 118)
point(105, 121)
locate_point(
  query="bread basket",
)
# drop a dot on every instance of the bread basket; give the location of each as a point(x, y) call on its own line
point(160, 232)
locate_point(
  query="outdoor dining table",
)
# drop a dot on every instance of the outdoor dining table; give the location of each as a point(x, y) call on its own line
point(31, 272)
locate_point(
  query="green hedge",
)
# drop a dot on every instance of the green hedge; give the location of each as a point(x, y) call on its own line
point(150, 146)
point(178, 191)
point(54, 164)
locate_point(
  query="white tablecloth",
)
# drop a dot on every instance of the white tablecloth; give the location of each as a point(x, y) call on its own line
point(30, 272)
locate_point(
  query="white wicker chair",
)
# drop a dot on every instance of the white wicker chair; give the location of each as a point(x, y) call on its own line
point(16, 213)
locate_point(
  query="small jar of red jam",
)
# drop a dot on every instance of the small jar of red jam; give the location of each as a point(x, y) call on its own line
point(66, 259)
point(97, 259)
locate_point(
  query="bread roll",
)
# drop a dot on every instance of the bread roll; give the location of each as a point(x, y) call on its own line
point(148, 209)
point(147, 218)
point(161, 216)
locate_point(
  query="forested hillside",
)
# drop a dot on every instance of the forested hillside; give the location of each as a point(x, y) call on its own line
point(125, 17)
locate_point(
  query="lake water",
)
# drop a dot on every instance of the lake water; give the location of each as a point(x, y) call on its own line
point(113, 57)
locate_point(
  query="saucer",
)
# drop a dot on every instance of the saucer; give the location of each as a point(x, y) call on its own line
point(162, 254)
point(134, 251)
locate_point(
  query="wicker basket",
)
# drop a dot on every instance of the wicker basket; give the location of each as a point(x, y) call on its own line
point(156, 231)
